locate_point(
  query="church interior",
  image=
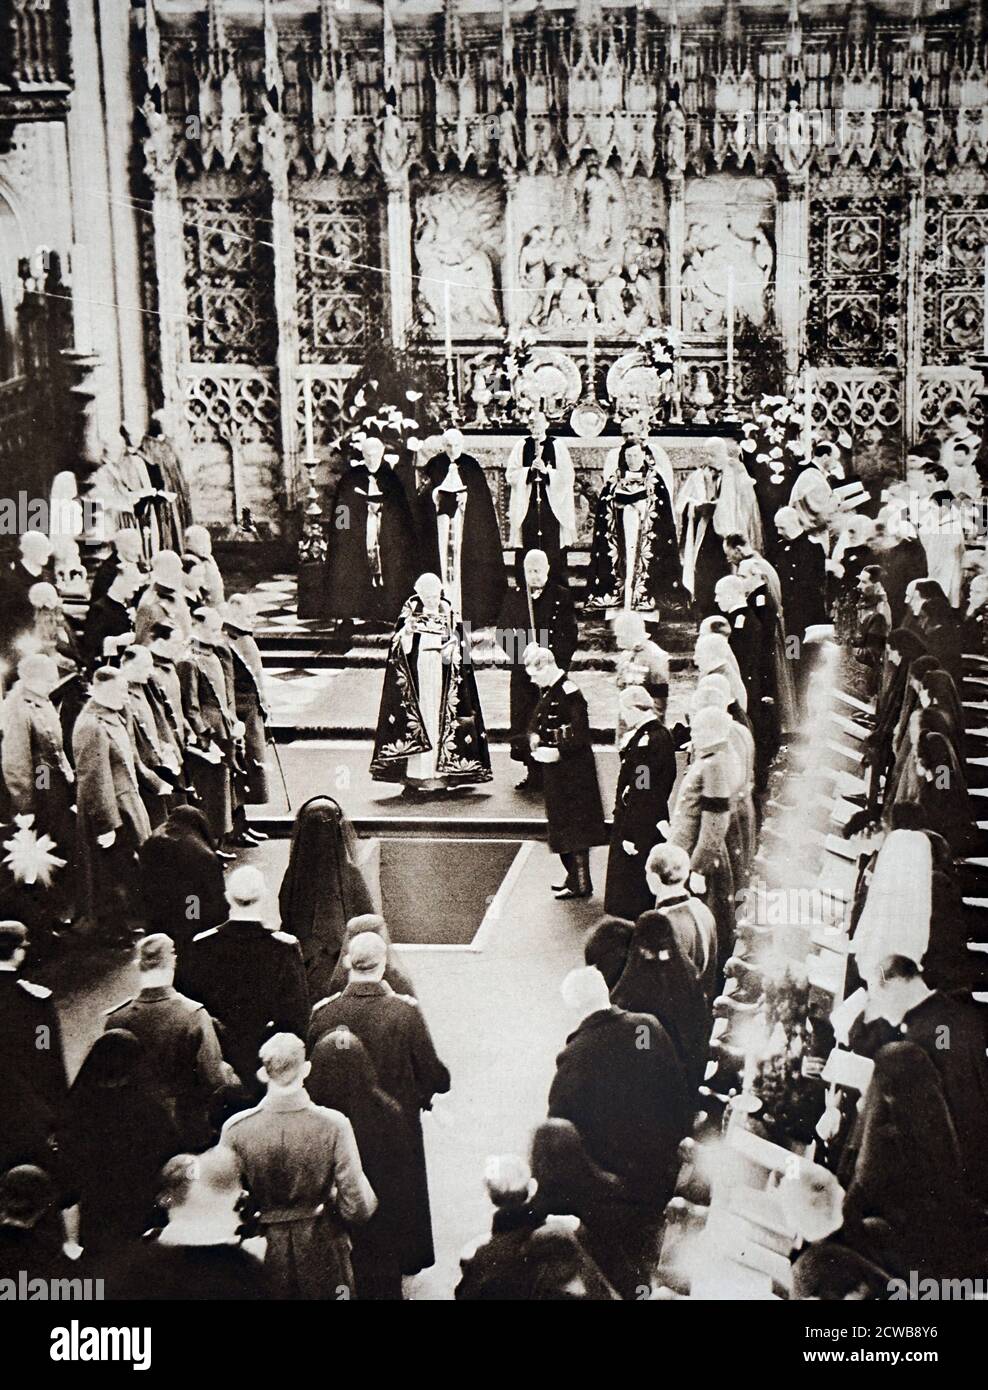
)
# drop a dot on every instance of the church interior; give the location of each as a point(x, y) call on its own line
point(634, 285)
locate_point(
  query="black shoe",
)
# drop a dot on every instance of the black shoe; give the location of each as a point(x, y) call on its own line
point(258, 836)
point(224, 854)
point(567, 892)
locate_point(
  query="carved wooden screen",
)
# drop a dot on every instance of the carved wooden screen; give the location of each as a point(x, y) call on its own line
point(857, 312)
point(955, 234)
point(338, 270)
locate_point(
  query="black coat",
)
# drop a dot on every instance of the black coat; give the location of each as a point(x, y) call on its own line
point(384, 1248)
point(182, 884)
point(106, 618)
point(252, 981)
point(801, 567)
point(483, 580)
point(33, 1083)
point(572, 793)
point(629, 1100)
point(901, 564)
point(396, 1036)
point(350, 590)
point(555, 628)
point(645, 782)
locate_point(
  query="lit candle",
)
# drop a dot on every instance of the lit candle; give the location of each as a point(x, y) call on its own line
point(591, 362)
point(307, 400)
point(447, 325)
point(730, 318)
point(807, 411)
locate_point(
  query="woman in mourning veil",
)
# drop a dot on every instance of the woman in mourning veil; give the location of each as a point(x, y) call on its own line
point(114, 1136)
point(659, 979)
point(344, 1078)
point(327, 881)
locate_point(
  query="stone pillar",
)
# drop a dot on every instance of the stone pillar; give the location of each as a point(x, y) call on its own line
point(913, 344)
point(792, 249)
point(118, 114)
point(169, 267)
point(283, 236)
point(399, 257)
point(677, 236)
point(94, 287)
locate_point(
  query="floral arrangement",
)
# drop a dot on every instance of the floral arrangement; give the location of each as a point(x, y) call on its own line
point(517, 355)
point(775, 436)
point(660, 349)
point(391, 400)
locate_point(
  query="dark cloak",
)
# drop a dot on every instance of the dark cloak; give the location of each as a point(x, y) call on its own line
point(323, 888)
point(483, 581)
point(351, 589)
point(464, 757)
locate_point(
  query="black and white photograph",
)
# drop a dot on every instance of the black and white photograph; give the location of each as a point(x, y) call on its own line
point(494, 666)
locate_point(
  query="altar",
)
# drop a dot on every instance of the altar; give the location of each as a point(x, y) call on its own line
point(688, 447)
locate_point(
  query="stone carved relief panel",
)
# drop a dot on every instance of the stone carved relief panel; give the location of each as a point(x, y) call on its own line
point(338, 298)
point(955, 236)
point(591, 249)
point(229, 281)
point(458, 238)
point(729, 228)
point(857, 303)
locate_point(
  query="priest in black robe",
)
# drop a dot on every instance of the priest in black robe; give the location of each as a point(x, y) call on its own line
point(460, 536)
point(542, 510)
point(559, 733)
point(430, 728)
point(539, 611)
point(641, 804)
point(372, 562)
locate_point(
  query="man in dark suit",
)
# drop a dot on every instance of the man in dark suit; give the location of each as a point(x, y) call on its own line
point(953, 1032)
point(33, 1083)
point(620, 1082)
point(111, 615)
point(540, 611)
point(126, 555)
point(395, 1034)
point(641, 804)
point(250, 978)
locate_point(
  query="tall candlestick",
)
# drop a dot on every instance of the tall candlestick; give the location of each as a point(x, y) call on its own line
point(729, 411)
point(808, 412)
point(591, 362)
point(984, 344)
point(307, 401)
point(448, 337)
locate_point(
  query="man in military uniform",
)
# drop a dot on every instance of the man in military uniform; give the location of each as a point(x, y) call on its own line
point(250, 978)
point(36, 772)
point(164, 599)
point(33, 1083)
point(559, 731)
point(394, 1032)
point(300, 1165)
point(112, 821)
point(539, 611)
point(183, 1052)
